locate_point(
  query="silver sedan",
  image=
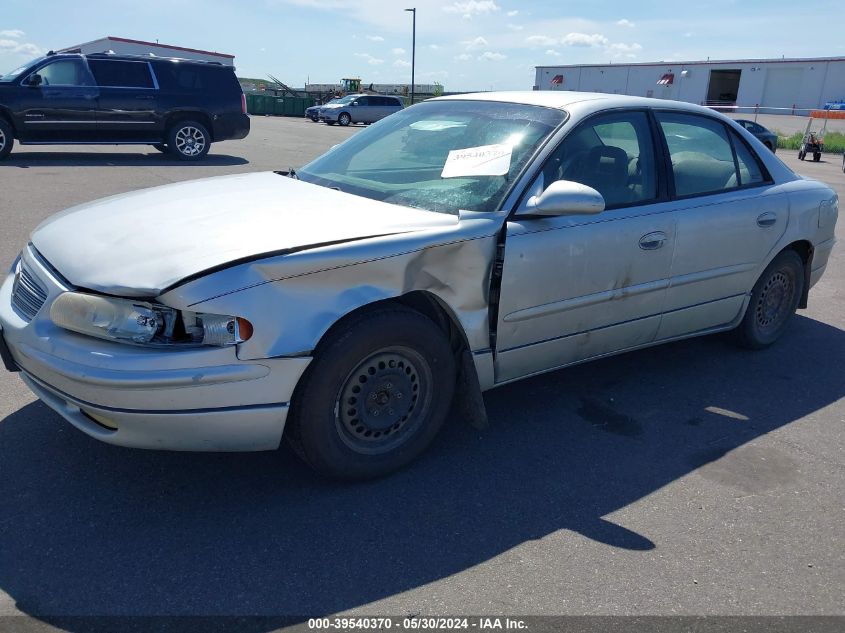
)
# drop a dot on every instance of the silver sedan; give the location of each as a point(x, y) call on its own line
point(458, 245)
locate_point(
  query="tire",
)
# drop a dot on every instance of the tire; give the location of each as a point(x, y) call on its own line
point(774, 300)
point(161, 147)
point(375, 395)
point(801, 154)
point(7, 138)
point(344, 119)
point(188, 140)
point(843, 163)
point(817, 156)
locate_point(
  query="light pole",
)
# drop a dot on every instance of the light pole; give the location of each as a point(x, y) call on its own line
point(413, 49)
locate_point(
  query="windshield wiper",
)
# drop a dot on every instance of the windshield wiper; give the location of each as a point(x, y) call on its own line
point(290, 173)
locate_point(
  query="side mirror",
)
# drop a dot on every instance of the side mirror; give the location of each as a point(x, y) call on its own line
point(34, 80)
point(565, 197)
point(354, 103)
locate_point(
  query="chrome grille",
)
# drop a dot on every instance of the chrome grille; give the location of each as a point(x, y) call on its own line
point(27, 294)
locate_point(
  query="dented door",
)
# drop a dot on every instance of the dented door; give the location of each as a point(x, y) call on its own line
point(582, 286)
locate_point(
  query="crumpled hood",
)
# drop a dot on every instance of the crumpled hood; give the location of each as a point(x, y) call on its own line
point(137, 244)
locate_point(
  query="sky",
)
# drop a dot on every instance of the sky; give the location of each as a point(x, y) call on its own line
point(462, 44)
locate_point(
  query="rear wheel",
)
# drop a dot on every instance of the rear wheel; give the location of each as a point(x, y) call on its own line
point(774, 300)
point(7, 139)
point(344, 119)
point(801, 153)
point(188, 140)
point(817, 156)
point(375, 395)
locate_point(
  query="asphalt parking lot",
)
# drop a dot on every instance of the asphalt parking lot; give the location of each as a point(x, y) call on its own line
point(693, 478)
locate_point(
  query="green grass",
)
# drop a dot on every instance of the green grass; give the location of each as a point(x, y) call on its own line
point(834, 142)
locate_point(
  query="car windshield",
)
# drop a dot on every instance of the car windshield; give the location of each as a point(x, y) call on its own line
point(17, 72)
point(442, 156)
point(344, 100)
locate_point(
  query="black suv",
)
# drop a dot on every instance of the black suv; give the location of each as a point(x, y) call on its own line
point(180, 106)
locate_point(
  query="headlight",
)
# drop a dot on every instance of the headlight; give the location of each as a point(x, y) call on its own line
point(145, 323)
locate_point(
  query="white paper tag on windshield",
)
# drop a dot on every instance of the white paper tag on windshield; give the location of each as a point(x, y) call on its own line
point(486, 160)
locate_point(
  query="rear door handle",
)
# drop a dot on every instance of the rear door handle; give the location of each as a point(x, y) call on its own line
point(652, 241)
point(766, 219)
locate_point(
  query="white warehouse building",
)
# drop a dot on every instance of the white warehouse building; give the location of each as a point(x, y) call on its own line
point(124, 46)
point(798, 84)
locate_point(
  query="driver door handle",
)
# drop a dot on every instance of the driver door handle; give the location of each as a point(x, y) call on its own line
point(766, 219)
point(652, 241)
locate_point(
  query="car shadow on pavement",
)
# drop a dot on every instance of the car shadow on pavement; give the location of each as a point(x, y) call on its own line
point(154, 158)
point(88, 529)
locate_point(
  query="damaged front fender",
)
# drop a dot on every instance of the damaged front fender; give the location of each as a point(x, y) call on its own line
point(292, 300)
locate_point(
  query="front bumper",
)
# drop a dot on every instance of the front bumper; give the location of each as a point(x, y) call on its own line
point(199, 399)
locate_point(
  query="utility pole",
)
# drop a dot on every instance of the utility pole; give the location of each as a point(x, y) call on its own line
point(413, 48)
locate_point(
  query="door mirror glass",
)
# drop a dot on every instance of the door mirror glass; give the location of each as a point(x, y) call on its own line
point(34, 80)
point(354, 103)
point(565, 197)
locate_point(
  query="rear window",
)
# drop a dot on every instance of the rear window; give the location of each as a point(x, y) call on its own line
point(190, 77)
point(121, 74)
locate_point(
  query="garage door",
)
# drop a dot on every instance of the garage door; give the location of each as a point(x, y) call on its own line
point(783, 87)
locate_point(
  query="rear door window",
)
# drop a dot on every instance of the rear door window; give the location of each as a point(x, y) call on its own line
point(121, 74)
point(701, 153)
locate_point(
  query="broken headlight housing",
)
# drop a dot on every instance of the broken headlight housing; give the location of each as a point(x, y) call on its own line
point(145, 323)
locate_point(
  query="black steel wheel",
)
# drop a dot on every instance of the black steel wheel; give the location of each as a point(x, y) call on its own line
point(384, 399)
point(375, 395)
point(188, 140)
point(344, 119)
point(774, 300)
point(7, 138)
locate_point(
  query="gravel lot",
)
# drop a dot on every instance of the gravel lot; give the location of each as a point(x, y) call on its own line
point(618, 487)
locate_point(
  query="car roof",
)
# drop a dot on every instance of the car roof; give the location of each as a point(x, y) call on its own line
point(565, 98)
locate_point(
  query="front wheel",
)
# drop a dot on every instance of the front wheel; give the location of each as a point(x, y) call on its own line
point(7, 139)
point(188, 140)
point(375, 395)
point(344, 119)
point(774, 300)
point(801, 153)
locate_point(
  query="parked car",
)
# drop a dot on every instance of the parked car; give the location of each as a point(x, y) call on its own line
point(768, 138)
point(471, 240)
point(313, 112)
point(180, 106)
point(359, 108)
